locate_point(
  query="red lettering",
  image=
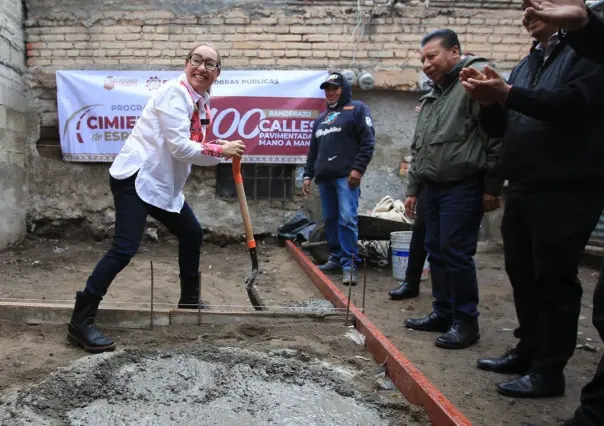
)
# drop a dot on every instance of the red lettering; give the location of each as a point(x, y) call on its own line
point(111, 124)
point(90, 122)
point(119, 122)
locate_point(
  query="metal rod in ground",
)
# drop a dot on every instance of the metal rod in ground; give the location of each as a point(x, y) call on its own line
point(364, 283)
point(349, 290)
point(199, 299)
point(151, 318)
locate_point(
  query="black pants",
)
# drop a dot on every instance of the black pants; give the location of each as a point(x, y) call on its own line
point(591, 411)
point(417, 249)
point(130, 220)
point(453, 215)
point(544, 233)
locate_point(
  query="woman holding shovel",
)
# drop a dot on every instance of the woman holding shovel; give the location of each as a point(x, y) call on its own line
point(147, 178)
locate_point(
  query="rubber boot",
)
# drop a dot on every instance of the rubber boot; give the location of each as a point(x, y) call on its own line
point(81, 330)
point(189, 294)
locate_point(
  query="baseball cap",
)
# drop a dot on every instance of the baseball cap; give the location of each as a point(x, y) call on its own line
point(334, 79)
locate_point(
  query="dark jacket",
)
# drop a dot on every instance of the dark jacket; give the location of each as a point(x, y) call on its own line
point(343, 139)
point(448, 144)
point(553, 121)
point(589, 40)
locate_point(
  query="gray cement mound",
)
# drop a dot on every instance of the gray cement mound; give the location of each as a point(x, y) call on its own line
point(198, 386)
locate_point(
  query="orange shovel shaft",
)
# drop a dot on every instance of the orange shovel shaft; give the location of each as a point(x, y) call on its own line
point(245, 214)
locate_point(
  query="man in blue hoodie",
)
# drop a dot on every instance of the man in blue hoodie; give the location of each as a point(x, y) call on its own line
point(341, 147)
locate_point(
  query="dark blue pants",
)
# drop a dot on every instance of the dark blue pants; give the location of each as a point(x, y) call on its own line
point(340, 205)
point(130, 221)
point(453, 215)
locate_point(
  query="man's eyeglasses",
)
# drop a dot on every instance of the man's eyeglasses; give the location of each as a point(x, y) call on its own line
point(210, 64)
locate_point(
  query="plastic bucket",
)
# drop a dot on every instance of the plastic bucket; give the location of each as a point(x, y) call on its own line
point(399, 244)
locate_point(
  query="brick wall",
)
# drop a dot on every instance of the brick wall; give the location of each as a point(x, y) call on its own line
point(320, 35)
point(313, 37)
point(279, 34)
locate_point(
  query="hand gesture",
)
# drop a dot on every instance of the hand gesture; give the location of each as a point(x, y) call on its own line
point(233, 149)
point(567, 14)
point(487, 88)
point(306, 186)
point(410, 204)
point(354, 179)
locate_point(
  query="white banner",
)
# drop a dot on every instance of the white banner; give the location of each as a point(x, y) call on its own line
point(271, 111)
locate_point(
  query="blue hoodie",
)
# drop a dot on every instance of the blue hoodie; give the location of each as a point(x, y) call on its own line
point(343, 139)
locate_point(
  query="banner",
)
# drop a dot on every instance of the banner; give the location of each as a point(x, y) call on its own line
point(271, 111)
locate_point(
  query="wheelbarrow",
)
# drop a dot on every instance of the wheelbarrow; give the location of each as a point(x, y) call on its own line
point(370, 229)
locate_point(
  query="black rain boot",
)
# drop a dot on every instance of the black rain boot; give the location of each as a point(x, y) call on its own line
point(82, 331)
point(189, 294)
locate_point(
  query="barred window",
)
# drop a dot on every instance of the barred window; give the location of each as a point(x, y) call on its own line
point(260, 181)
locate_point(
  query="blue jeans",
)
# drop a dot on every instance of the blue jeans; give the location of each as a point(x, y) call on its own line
point(453, 215)
point(130, 221)
point(340, 204)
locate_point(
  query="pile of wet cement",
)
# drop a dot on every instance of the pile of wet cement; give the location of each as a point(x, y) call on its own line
point(200, 386)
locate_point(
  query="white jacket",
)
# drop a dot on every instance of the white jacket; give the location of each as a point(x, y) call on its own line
point(160, 146)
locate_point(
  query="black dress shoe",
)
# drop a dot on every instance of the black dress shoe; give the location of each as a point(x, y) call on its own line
point(459, 336)
point(511, 362)
point(534, 385)
point(404, 291)
point(433, 322)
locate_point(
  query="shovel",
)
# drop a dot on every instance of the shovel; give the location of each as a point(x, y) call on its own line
point(250, 281)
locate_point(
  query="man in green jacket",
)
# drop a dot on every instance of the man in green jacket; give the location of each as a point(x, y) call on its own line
point(453, 158)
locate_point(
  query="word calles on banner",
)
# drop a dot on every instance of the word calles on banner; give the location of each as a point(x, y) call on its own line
point(274, 120)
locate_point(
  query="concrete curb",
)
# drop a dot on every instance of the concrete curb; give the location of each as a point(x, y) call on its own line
point(408, 379)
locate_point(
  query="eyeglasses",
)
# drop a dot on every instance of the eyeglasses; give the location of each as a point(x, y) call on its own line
point(210, 64)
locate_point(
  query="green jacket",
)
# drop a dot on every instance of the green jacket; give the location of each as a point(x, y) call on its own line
point(449, 144)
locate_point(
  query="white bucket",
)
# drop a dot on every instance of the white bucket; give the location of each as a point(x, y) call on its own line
point(399, 244)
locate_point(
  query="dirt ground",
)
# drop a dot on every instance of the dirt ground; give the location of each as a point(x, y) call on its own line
point(455, 373)
point(54, 270)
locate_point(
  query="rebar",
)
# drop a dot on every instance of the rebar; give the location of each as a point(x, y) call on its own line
point(152, 284)
point(349, 290)
point(199, 299)
point(364, 283)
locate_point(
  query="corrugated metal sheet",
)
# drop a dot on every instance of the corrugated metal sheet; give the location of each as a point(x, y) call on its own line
point(597, 236)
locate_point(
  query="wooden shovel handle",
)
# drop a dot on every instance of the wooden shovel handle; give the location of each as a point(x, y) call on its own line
point(245, 214)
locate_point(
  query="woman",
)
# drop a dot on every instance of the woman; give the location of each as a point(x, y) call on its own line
point(147, 178)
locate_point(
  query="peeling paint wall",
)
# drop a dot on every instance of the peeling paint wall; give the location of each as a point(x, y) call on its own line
point(13, 177)
point(278, 34)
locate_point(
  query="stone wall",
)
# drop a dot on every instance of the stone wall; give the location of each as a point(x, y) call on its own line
point(380, 36)
point(13, 178)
